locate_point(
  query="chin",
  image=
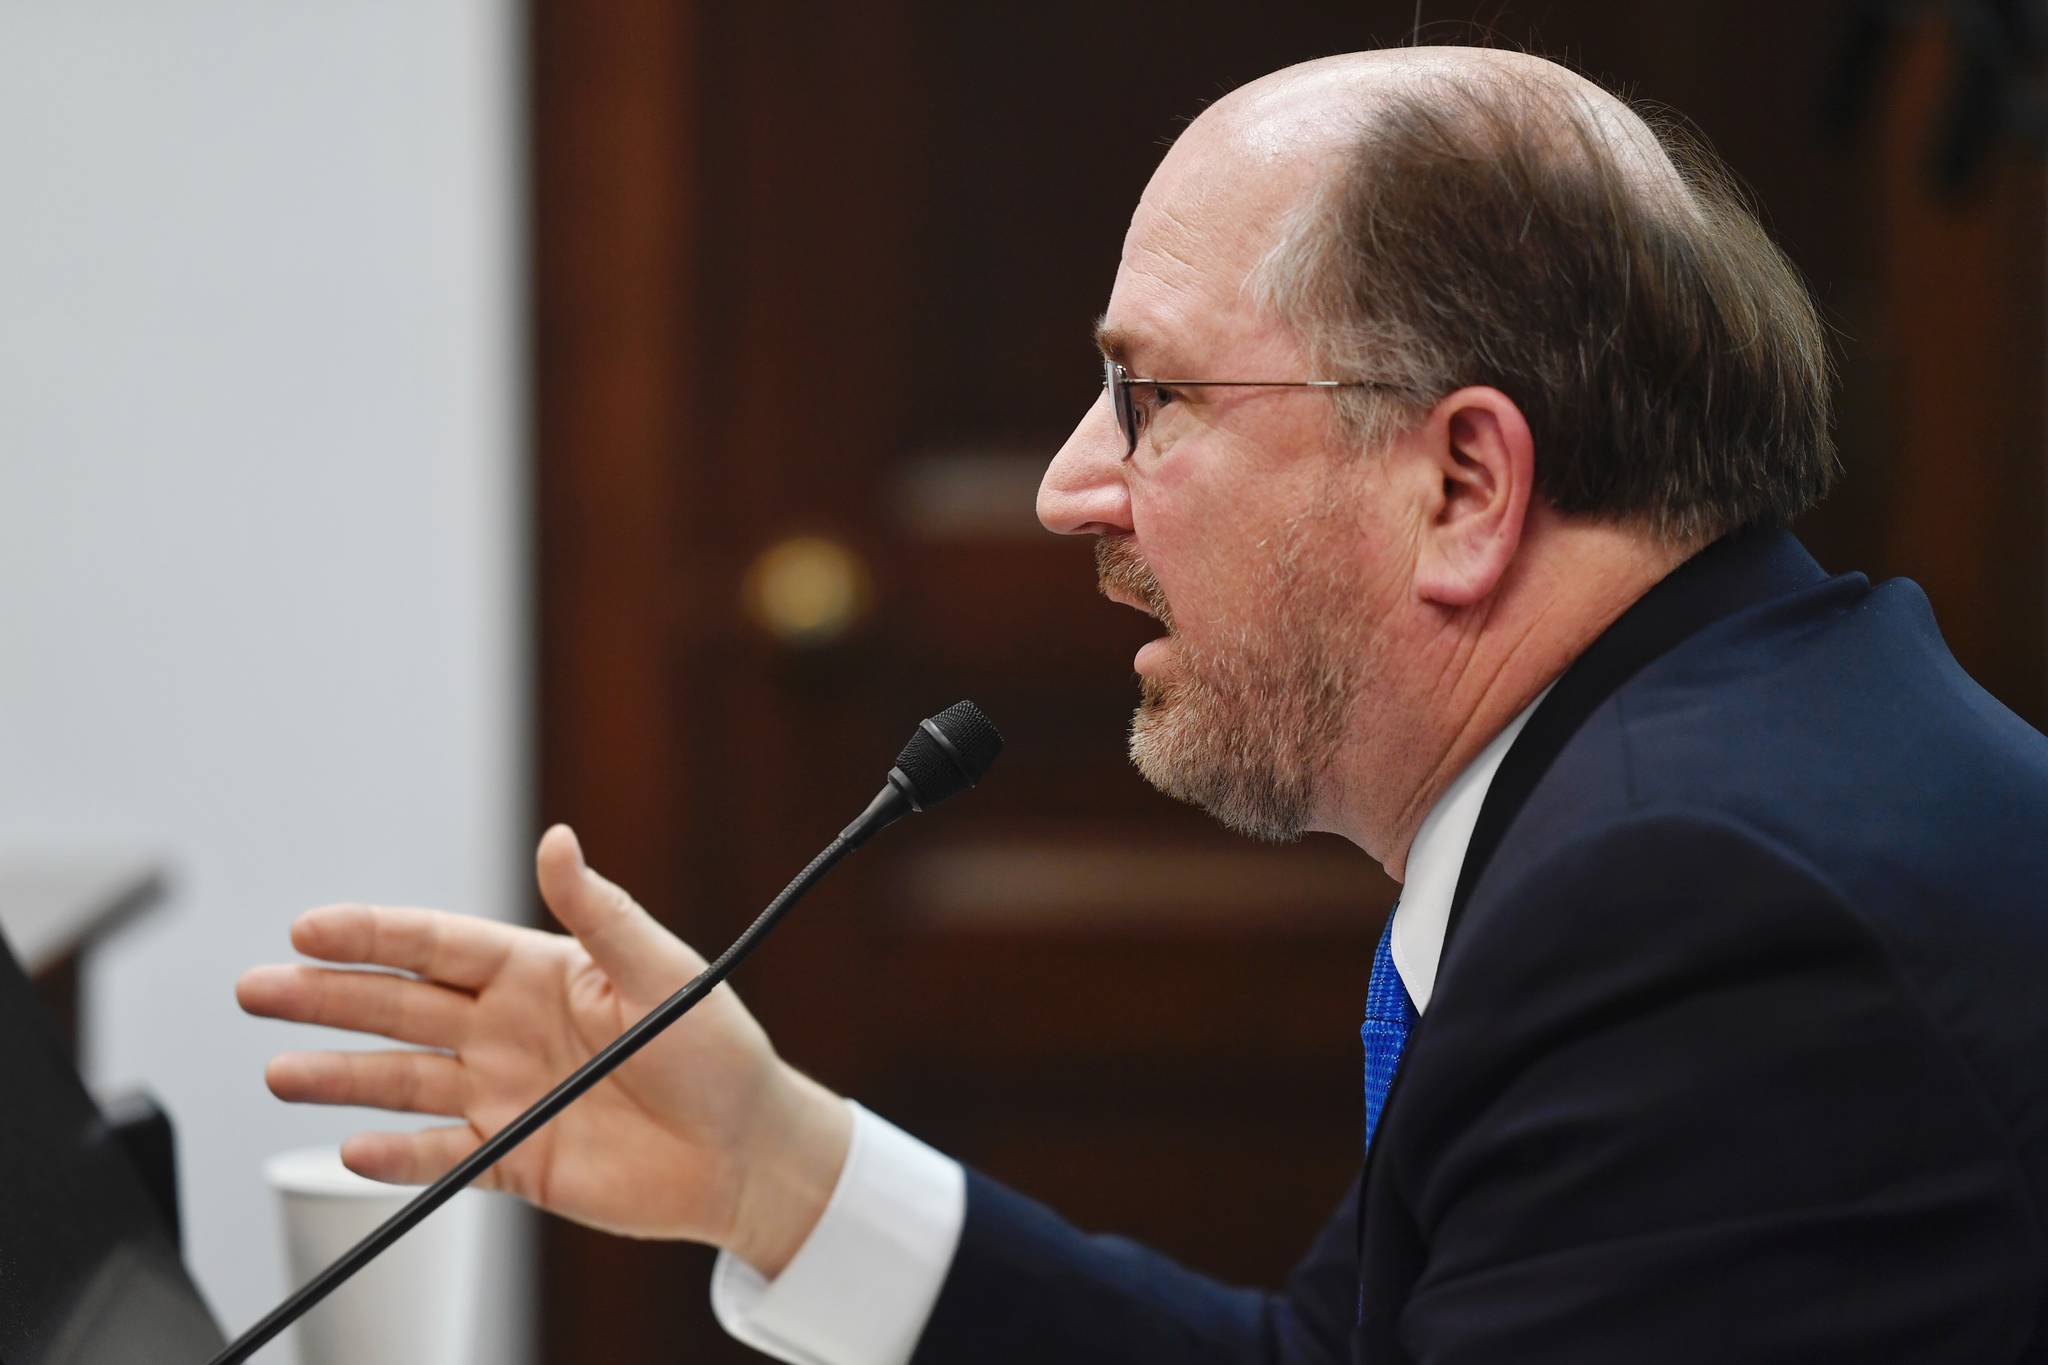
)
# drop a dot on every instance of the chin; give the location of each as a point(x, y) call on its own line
point(1224, 768)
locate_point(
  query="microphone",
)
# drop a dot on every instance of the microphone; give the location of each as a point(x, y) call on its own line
point(946, 755)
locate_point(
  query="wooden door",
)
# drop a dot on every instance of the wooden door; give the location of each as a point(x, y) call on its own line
point(812, 293)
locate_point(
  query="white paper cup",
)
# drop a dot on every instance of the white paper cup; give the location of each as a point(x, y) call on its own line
point(413, 1305)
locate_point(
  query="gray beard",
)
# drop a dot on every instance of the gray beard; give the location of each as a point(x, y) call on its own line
point(1249, 734)
point(1247, 739)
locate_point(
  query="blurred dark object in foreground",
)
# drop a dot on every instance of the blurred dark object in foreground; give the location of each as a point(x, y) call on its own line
point(88, 1211)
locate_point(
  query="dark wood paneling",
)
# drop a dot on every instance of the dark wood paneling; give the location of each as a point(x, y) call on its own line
point(616, 360)
point(1965, 346)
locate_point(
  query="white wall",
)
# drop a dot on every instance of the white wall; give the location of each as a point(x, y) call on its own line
point(262, 598)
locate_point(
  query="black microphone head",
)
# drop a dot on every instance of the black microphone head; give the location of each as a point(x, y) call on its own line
point(948, 754)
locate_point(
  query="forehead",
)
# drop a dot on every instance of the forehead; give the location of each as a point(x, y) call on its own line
point(1210, 212)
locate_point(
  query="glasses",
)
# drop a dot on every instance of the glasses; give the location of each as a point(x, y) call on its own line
point(1118, 381)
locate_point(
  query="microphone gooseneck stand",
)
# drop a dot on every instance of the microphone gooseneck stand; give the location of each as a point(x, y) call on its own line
point(948, 754)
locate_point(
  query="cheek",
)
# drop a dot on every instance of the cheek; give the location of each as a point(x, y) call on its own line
point(1198, 549)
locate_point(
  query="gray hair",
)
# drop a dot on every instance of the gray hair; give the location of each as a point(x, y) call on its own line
point(1492, 231)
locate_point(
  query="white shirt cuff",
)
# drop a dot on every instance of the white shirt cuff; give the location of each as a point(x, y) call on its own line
point(860, 1288)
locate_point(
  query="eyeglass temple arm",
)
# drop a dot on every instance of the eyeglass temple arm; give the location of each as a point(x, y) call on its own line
point(1269, 383)
point(1245, 383)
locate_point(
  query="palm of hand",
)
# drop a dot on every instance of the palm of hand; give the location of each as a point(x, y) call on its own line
point(500, 1015)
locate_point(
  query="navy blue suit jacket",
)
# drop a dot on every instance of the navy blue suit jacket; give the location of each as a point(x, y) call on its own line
point(1738, 1049)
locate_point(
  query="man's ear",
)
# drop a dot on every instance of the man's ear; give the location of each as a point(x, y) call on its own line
point(1477, 446)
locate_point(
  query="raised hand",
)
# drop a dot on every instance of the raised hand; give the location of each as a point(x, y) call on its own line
point(705, 1135)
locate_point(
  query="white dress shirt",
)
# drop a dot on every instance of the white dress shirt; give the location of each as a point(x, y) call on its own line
point(1435, 858)
point(860, 1288)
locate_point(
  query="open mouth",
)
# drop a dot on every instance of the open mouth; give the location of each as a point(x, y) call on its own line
point(1124, 578)
point(1138, 607)
point(1149, 653)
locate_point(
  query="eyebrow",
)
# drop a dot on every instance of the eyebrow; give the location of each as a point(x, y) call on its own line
point(1117, 343)
point(1126, 346)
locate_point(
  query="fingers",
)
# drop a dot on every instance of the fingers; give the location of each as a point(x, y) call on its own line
point(394, 1007)
point(414, 1158)
point(456, 950)
point(643, 960)
point(412, 1082)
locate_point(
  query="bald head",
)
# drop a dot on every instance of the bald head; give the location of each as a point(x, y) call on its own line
point(1260, 148)
point(1434, 217)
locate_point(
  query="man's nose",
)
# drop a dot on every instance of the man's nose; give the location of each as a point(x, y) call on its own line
point(1083, 492)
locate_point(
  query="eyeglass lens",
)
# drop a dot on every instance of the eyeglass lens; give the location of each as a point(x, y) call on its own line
point(1120, 404)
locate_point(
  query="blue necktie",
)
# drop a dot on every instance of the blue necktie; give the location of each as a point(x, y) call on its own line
point(1389, 1014)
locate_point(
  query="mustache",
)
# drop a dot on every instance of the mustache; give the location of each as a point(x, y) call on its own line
point(1120, 572)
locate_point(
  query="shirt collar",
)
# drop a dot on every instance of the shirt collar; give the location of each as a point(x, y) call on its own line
point(1434, 859)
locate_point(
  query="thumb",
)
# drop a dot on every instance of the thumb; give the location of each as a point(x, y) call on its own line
point(643, 960)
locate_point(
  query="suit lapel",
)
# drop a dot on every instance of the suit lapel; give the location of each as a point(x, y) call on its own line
point(1734, 572)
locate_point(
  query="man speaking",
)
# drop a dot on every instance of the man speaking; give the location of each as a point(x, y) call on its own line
point(1449, 418)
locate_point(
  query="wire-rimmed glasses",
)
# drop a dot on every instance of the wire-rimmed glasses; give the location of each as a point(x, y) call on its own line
point(1119, 382)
